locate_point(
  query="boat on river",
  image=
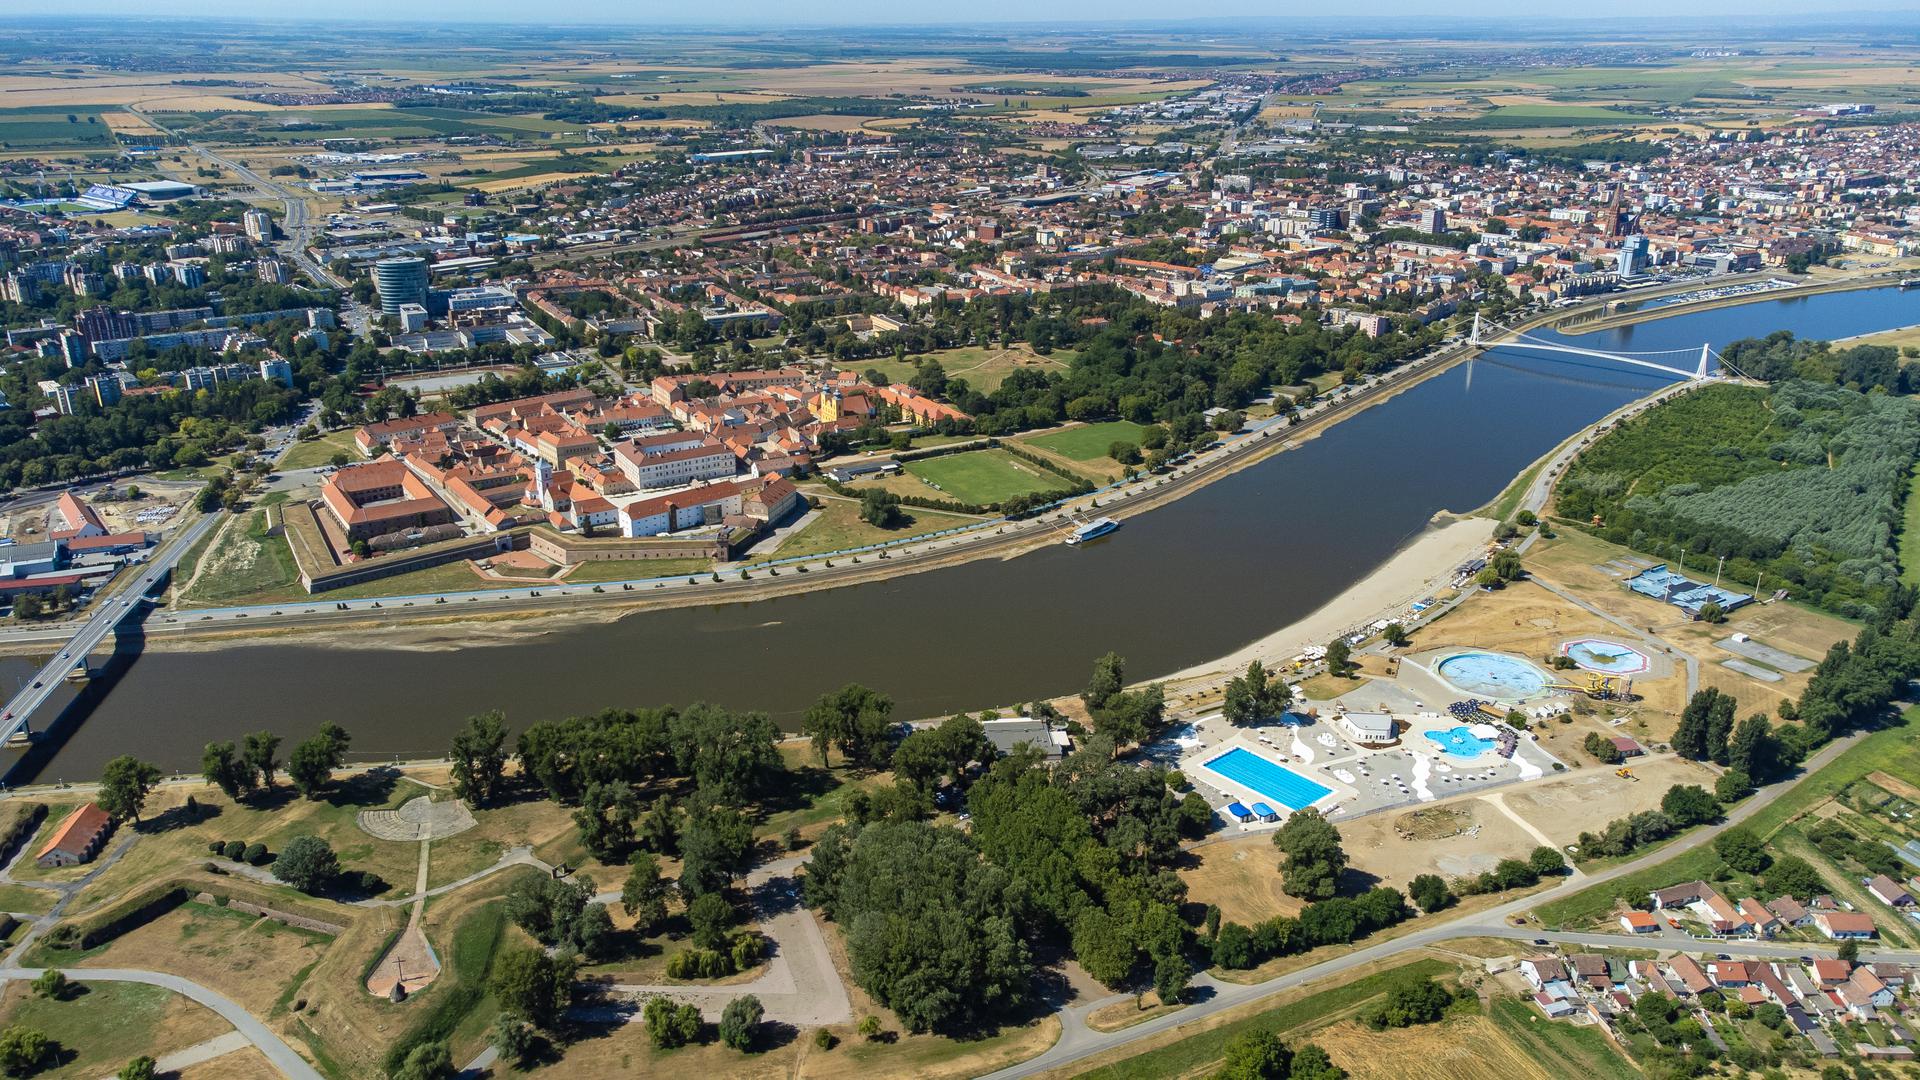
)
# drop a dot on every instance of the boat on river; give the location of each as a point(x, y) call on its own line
point(1092, 530)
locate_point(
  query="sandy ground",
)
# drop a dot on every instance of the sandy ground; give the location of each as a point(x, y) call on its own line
point(1414, 571)
point(1565, 808)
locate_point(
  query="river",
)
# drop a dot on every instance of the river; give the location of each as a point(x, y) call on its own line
point(1177, 586)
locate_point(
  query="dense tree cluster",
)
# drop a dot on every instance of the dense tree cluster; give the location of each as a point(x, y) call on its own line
point(1800, 484)
point(730, 756)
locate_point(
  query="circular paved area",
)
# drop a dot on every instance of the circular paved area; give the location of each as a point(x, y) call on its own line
point(419, 818)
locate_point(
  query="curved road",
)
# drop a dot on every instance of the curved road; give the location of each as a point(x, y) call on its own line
point(1079, 1042)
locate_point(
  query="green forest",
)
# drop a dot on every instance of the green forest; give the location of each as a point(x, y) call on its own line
point(1799, 486)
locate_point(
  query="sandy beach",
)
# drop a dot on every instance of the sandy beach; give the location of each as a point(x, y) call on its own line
point(1416, 570)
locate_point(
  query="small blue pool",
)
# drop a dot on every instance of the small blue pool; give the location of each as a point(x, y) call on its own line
point(1491, 675)
point(1276, 782)
point(1460, 742)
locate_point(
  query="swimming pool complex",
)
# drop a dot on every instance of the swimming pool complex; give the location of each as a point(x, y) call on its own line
point(1460, 742)
point(1606, 657)
point(1490, 675)
point(1261, 776)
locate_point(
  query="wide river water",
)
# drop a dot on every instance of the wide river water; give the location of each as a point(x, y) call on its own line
point(1194, 580)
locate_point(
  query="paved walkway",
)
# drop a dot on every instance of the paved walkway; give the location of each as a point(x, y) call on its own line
point(800, 985)
point(197, 1054)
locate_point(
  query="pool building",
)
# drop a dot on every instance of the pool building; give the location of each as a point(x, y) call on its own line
point(1683, 592)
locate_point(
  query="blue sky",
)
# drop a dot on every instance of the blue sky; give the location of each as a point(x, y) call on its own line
point(769, 13)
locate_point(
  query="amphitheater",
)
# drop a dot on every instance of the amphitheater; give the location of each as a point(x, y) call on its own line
point(418, 818)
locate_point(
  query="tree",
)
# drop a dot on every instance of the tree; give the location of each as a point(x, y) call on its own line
point(51, 984)
point(307, 863)
point(1256, 1055)
point(427, 1061)
point(1411, 1000)
point(1849, 951)
point(479, 754)
point(1712, 612)
point(605, 817)
point(1546, 861)
point(644, 896)
point(1506, 565)
point(934, 932)
point(140, 1068)
point(1430, 892)
point(1339, 657)
point(1742, 850)
point(1109, 678)
point(1396, 635)
point(311, 764)
point(670, 1024)
point(1314, 856)
point(1691, 738)
point(881, 509)
point(558, 913)
point(856, 720)
point(715, 848)
point(224, 768)
point(514, 1039)
point(1754, 750)
point(1134, 716)
point(711, 919)
point(1732, 786)
point(259, 749)
point(739, 1020)
point(532, 985)
point(1255, 696)
point(1310, 1062)
point(24, 1050)
point(124, 786)
point(1791, 875)
point(1689, 805)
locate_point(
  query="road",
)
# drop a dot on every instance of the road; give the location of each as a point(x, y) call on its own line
point(109, 610)
point(1079, 1042)
point(276, 1050)
point(296, 224)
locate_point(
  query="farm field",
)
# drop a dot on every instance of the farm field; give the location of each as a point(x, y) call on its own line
point(54, 127)
point(984, 477)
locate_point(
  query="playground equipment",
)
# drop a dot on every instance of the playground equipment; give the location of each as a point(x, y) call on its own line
point(1597, 685)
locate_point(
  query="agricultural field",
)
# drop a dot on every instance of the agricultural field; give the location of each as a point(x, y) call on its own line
point(54, 127)
point(984, 477)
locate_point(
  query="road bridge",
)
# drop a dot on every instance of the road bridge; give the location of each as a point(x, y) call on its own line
point(110, 611)
point(1490, 335)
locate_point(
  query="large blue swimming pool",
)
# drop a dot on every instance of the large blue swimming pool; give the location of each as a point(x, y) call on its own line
point(1282, 785)
point(1491, 675)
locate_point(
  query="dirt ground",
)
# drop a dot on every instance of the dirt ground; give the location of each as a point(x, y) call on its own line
point(245, 1064)
point(1375, 846)
point(1462, 1048)
point(1243, 877)
point(1589, 798)
point(248, 960)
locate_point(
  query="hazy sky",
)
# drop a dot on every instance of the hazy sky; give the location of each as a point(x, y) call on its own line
point(891, 12)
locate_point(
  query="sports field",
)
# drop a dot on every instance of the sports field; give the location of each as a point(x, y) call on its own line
point(1089, 442)
point(983, 477)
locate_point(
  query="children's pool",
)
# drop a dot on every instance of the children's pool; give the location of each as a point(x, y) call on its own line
point(1607, 657)
point(1460, 742)
point(1491, 675)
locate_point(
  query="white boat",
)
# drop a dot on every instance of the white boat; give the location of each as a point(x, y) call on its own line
point(1092, 530)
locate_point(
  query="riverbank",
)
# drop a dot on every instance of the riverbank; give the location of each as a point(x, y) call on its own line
point(1571, 325)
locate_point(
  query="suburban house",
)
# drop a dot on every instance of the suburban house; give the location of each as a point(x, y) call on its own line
point(78, 838)
point(1639, 922)
point(1845, 925)
point(1889, 891)
point(1674, 896)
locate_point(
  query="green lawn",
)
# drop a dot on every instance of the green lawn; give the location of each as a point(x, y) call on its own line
point(839, 528)
point(1089, 442)
point(316, 452)
point(248, 566)
point(1910, 534)
point(984, 477)
point(1578, 1051)
point(1892, 750)
point(635, 570)
point(103, 1025)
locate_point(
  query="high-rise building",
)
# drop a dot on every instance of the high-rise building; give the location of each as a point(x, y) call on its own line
point(1433, 220)
point(191, 275)
point(73, 349)
point(106, 389)
point(400, 281)
point(274, 369)
point(66, 398)
point(273, 272)
point(259, 226)
point(1632, 260)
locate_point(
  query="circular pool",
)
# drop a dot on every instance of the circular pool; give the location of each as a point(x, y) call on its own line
point(1606, 657)
point(1491, 675)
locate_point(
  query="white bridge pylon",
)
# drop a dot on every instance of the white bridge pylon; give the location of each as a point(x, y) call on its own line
point(1517, 340)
